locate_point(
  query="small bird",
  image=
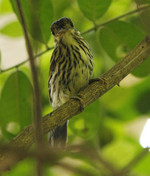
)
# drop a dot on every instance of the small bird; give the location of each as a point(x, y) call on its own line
point(71, 68)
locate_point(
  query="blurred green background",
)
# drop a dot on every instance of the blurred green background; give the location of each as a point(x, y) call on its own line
point(113, 124)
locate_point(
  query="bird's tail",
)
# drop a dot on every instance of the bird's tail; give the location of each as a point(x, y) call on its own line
point(58, 137)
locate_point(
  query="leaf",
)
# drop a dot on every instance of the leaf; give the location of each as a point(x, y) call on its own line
point(143, 102)
point(86, 124)
point(122, 108)
point(12, 29)
point(109, 43)
point(142, 167)
point(119, 38)
point(145, 16)
point(122, 33)
point(60, 7)
point(16, 103)
point(38, 17)
point(24, 167)
point(121, 151)
point(5, 6)
point(129, 102)
point(105, 135)
point(94, 9)
point(143, 70)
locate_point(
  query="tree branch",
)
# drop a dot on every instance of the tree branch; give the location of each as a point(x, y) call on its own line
point(95, 90)
point(82, 33)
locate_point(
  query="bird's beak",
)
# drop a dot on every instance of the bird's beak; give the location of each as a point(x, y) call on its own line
point(61, 31)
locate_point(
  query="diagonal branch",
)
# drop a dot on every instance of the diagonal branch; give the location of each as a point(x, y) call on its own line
point(95, 90)
point(133, 162)
point(83, 33)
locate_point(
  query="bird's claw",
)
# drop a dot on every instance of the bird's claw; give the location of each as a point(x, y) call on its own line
point(101, 80)
point(79, 98)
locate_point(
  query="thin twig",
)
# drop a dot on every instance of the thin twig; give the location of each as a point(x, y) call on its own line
point(36, 103)
point(75, 170)
point(25, 61)
point(46, 155)
point(92, 92)
point(94, 156)
point(116, 18)
point(133, 162)
point(82, 33)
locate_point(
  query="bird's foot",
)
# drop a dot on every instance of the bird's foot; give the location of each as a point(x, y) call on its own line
point(79, 98)
point(101, 80)
point(118, 84)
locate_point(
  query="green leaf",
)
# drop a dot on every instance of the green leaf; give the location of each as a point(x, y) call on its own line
point(129, 102)
point(12, 29)
point(94, 9)
point(145, 16)
point(143, 70)
point(60, 7)
point(143, 102)
point(119, 38)
point(24, 167)
point(121, 151)
point(109, 43)
point(5, 6)
point(122, 108)
point(86, 124)
point(38, 17)
point(16, 103)
point(121, 34)
point(142, 168)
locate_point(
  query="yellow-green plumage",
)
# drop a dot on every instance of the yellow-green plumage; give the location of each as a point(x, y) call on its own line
point(71, 68)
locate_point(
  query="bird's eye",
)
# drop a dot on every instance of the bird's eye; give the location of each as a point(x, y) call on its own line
point(53, 32)
point(71, 23)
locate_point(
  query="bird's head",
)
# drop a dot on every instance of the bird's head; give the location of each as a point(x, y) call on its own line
point(61, 26)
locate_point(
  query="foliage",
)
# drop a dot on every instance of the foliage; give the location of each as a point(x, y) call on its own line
point(39, 19)
point(93, 10)
point(104, 125)
point(20, 103)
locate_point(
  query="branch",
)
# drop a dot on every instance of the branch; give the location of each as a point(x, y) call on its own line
point(94, 156)
point(116, 18)
point(25, 61)
point(82, 33)
point(48, 155)
point(95, 90)
point(133, 162)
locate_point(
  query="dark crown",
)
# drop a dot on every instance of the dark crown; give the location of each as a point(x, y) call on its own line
point(62, 23)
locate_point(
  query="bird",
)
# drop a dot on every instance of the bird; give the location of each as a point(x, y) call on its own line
point(71, 68)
